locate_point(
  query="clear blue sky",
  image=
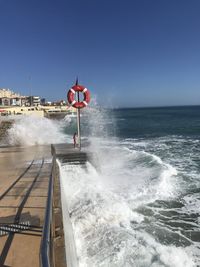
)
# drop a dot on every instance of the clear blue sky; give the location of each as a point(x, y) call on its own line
point(127, 52)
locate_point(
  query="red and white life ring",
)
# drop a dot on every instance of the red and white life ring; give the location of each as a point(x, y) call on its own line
point(71, 96)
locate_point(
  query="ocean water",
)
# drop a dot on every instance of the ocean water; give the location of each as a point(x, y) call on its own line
point(138, 202)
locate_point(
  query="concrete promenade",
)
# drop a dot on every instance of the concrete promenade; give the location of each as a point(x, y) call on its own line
point(24, 181)
point(21, 221)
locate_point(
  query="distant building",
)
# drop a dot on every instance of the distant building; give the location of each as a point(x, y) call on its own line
point(59, 103)
point(36, 101)
point(43, 101)
point(33, 101)
point(9, 98)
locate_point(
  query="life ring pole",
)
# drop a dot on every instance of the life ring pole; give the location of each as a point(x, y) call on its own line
point(79, 124)
point(74, 92)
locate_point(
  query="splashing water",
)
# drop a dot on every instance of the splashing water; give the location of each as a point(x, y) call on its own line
point(30, 130)
point(108, 229)
point(129, 211)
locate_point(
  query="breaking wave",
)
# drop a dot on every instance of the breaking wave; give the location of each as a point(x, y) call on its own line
point(105, 205)
point(128, 206)
point(30, 130)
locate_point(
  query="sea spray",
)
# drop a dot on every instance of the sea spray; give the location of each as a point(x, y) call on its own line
point(112, 207)
point(31, 130)
point(97, 127)
point(108, 232)
point(98, 122)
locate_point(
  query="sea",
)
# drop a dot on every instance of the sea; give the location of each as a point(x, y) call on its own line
point(137, 202)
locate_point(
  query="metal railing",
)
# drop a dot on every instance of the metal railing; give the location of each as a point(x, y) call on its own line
point(47, 258)
point(46, 248)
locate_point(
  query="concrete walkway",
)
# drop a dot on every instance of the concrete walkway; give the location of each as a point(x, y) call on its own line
point(23, 248)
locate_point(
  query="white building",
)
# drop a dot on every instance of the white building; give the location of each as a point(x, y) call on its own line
point(9, 98)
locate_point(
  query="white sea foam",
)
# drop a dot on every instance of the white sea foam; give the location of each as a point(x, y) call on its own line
point(30, 130)
point(102, 219)
point(103, 206)
point(192, 203)
point(104, 203)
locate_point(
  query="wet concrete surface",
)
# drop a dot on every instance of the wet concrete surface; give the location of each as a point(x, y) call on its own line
point(24, 248)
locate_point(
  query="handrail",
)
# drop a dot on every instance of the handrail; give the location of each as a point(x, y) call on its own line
point(47, 258)
point(46, 248)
